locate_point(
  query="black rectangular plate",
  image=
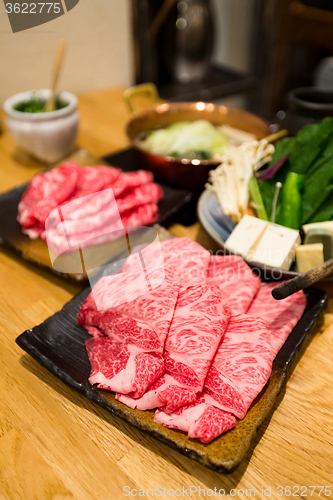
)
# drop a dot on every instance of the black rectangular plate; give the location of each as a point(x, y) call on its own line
point(58, 345)
point(36, 251)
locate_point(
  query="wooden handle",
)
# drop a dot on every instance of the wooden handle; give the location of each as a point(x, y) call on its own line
point(59, 55)
point(303, 280)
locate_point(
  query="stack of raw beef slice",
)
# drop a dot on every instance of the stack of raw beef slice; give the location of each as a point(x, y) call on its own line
point(194, 337)
point(70, 205)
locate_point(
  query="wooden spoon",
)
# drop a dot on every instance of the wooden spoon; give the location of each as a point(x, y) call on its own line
point(59, 54)
point(303, 280)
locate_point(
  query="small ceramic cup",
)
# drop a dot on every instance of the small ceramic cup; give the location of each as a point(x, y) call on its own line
point(48, 136)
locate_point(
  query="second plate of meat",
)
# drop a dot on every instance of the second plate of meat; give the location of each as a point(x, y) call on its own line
point(36, 251)
point(204, 342)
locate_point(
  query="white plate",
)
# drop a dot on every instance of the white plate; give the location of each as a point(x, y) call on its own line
point(214, 223)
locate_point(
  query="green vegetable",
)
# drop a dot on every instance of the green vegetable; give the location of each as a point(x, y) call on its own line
point(324, 212)
point(199, 139)
point(268, 187)
point(327, 155)
point(310, 144)
point(312, 158)
point(36, 105)
point(282, 147)
point(267, 190)
point(321, 235)
point(256, 198)
point(191, 155)
point(318, 187)
point(291, 207)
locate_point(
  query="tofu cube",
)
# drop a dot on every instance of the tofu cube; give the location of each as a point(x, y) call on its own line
point(246, 235)
point(309, 256)
point(276, 247)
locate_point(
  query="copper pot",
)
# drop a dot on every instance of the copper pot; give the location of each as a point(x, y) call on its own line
point(186, 173)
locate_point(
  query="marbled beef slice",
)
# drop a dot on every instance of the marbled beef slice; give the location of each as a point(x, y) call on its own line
point(129, 316)
point(238, 283)
point(199, 322)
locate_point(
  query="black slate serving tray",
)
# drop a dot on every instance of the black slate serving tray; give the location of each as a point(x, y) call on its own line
point(37, 252)
point(58, 345)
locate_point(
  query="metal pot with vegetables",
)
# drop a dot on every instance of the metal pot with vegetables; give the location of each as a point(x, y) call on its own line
point(182, 141)
point(273, 204)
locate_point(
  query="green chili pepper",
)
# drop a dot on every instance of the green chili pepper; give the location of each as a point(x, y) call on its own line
point(291, 207)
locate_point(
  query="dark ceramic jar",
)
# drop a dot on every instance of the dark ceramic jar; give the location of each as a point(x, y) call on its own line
point(306, 105)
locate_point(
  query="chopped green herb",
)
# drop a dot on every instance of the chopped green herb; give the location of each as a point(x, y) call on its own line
point(36, 105)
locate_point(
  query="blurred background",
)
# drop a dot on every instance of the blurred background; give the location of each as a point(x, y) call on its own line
point(98, 53)
point(246, 53)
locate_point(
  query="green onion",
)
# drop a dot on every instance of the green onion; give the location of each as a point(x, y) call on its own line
point(256, 199)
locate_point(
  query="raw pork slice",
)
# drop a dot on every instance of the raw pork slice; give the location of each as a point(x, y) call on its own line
point(200, 420)
point(45, 192)
point(280, 316)
point(238, 284)
point(129, 317)
point(199, 322)
point(240, 369)
point(187, 259)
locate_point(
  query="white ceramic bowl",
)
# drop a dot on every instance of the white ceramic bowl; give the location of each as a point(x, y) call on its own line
point(48, 136)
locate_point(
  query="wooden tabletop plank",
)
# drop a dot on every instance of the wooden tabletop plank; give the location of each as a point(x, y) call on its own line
point(84, 451)
point(24, 473)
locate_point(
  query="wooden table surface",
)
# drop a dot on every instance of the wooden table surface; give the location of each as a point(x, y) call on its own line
point(55, 444)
